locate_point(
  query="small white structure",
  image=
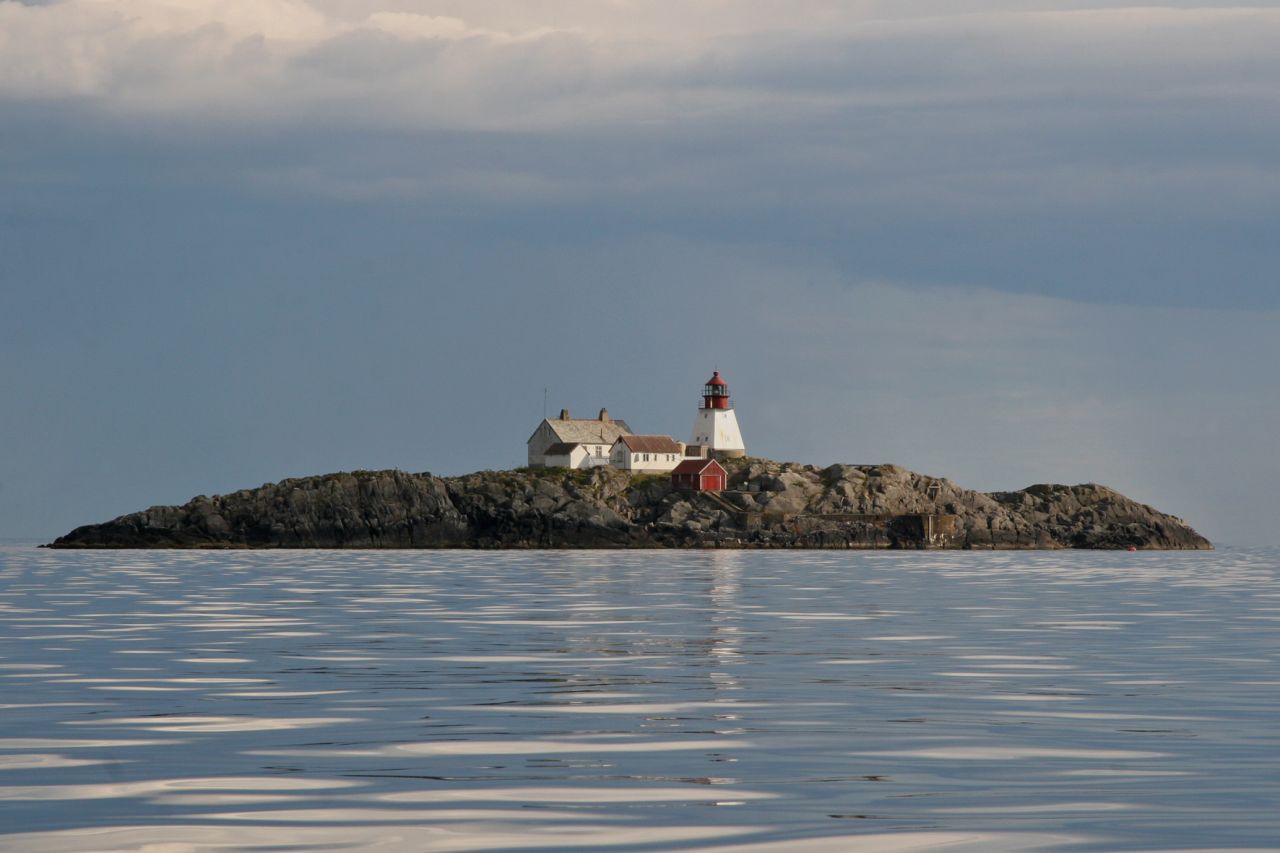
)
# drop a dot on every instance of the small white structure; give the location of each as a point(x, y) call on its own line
point(658, 453)
point(593, 437)
point(715, 427)
point(567, 455)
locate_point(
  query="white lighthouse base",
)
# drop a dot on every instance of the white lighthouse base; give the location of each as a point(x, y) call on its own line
point(717, 431)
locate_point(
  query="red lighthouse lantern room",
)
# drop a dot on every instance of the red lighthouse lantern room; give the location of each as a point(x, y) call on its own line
point(716, 393)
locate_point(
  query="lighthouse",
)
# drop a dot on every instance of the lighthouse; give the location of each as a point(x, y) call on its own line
point(716, 426)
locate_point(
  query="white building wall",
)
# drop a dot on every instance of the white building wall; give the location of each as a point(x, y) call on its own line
point(597, 454)
point(543, 438)
point(653, 461)
point(623, 458)
point(576, 458)
point(717, 430)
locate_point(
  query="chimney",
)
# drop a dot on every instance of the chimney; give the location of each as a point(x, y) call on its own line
point(604, 415)
point(564, 414)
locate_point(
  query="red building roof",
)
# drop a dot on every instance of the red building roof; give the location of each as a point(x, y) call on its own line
point(650, 443)
point(697, 466)
point(716, 379)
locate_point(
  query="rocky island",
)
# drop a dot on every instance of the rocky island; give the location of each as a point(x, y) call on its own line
point(765, 505)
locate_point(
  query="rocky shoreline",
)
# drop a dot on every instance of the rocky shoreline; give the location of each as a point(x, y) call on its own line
point(767, 505)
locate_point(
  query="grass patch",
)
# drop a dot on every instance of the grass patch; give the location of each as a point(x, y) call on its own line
point(639, 481)
point(582, 476)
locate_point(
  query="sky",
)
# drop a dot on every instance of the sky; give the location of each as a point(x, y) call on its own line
point(1001, 242)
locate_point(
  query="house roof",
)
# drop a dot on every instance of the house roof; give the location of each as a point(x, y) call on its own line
point(697, 466)
point(562, 448)
point(586, 430)
point(650, 443)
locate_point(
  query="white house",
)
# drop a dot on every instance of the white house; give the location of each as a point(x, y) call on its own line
point(595, 437)
point(658, 453)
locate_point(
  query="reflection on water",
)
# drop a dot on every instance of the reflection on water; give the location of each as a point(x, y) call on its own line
point(638, 701)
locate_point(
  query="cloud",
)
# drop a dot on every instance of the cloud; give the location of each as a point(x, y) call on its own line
point(283, 60)
point(848, 114)
point(185, 55)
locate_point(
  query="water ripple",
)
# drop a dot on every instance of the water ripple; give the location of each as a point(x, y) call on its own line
point(736, 702)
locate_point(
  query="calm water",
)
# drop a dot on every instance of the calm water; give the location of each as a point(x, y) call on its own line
point(639, 701)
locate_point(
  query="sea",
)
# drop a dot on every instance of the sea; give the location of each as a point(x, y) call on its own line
point(639, 700)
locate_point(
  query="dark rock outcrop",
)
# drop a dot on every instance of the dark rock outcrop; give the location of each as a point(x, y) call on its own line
point(768, 505)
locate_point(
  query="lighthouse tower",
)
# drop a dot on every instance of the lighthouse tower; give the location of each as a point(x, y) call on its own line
point(716, 426)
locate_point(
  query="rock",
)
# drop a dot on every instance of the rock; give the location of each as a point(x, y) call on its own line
point(770, 484)
point(770, 505)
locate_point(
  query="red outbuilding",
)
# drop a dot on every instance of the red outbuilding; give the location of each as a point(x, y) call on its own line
point(699, 475)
